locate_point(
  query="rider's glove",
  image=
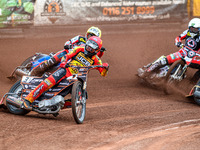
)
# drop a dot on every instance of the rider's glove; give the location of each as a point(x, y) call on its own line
point(64, 64)
point(178, 44)
point(68, 46)
point(105, 69)
point(103, 49)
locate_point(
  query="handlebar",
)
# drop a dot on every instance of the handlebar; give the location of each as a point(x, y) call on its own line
point(93, 66)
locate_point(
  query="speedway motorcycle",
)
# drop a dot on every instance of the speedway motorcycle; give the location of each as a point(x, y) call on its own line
point(170, 76)
point(31, 62)
point(53, 100)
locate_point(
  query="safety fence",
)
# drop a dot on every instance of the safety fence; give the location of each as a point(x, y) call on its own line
point(63, 12)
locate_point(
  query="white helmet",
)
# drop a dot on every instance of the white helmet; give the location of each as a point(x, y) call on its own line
point(194, 27)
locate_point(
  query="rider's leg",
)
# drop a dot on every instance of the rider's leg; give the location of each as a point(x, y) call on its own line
point(42, 67)
point(173, 57)
point(165, 60)
point(161, 61)
point(157, 64)
point(45, 85)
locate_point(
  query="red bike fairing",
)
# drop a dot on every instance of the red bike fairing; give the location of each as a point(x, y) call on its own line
point(62, 73)
point(193, 43)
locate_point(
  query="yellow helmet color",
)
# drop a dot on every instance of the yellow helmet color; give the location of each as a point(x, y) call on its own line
point(93, 31)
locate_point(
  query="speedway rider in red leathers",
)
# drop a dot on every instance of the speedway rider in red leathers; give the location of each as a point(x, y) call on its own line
point(68, 47)
point(81, 56)
point(192, 40)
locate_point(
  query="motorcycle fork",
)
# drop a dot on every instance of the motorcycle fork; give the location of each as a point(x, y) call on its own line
point(84, 89)
point(179, 76)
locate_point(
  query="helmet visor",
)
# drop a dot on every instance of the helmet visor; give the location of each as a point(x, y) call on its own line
point(90, 35)
point(89, 49)
point(91, 46)
point(194, 30)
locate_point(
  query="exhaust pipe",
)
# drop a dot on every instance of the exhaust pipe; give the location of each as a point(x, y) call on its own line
point(13, 102)
point(17, 73)
point(20, 73)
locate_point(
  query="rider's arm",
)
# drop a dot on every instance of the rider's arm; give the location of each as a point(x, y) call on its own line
point(70, 55)
point(58, 56)
point(73, 53)
point(75, 40)
point(178, 39)
point(103, 71)
point(101, 52)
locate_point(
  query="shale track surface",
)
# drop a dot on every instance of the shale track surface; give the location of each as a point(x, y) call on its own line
point(122, 113)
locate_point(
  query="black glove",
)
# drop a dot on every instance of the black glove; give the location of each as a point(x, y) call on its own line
point(103, 49)
point(67, 46)
point(178, 44)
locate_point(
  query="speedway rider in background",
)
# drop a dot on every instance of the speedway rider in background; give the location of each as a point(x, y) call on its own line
point(192, 40)
point(68, 47)
point(80, 56)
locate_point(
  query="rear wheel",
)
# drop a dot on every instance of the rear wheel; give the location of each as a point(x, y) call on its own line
point(174, 75)
point(16, 88)
point(78, 102)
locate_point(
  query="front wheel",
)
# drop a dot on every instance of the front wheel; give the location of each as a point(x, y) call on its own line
point(16, 88)
point(78, 102)
point(174, 75)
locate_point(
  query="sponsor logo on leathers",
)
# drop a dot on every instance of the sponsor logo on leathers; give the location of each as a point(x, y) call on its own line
point(38, 91)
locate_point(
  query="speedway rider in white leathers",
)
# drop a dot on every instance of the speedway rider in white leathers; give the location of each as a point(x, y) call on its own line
point(192, 40)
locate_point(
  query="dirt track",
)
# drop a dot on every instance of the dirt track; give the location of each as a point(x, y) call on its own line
point(121, 112)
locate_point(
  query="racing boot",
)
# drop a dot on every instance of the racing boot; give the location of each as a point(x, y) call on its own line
point(42, 67)
point(141, 71)
point(26, 104)
point(144, 71)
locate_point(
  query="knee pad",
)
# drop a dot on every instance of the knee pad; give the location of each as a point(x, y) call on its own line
point(162, 60)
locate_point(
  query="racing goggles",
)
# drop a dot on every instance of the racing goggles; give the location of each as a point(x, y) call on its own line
point(91, 46)
point(194, 30)
point(90, 35)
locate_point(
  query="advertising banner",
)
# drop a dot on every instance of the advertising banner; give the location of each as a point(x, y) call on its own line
point(60, 12)
point(86, 11)
point(16, 12)
point(196, 8)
